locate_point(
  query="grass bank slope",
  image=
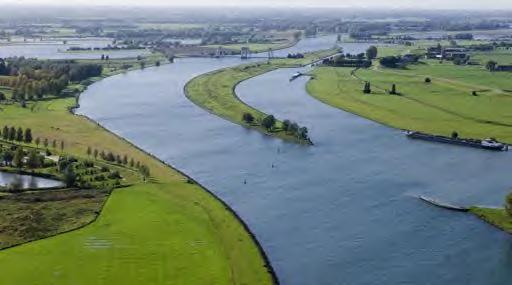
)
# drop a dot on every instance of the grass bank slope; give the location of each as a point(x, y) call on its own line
point(496, 217)
point(166, 231)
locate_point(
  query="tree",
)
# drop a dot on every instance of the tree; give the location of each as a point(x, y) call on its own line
point(390, 61)
point(248, 118)
point(12, 133)
point(132, 163)
point(303, 133)
point(38, 141)
point(8, 156)
point(371, 52)
point(34, 160)
point(69, 176)
point(5, 133)
point(19, 134)
point(144, 170)
point(293, 128)
point(508, 204)
point(125, 159)
point(61, 146)
point(393, 89)
point(142, 65)
point(89, 151)
point(95, 153)
point(268, 122)
point(491, 65)
point(28, 135)
point(428, 80)
point(367, 88)
point(18, 157)
point(54, 144)
point(455, 135)
point(286, 125)
point(45, 143)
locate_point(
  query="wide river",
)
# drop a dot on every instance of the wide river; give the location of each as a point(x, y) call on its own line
point(341, 212)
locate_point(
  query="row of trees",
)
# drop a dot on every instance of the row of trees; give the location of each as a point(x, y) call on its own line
point(17, 134)
point(116, 158)
point(269, 123)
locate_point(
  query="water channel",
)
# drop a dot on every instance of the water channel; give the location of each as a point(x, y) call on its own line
point(344, 211)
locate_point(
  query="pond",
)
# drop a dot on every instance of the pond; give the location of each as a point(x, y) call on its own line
point(19, 181)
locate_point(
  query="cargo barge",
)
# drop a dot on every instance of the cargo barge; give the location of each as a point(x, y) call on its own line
point(489, 144)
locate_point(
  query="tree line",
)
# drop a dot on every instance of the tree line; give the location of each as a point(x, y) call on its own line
point(116, 158)
point(32, 79)
point(269, 123)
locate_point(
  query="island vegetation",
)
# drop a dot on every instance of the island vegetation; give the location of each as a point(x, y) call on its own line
point(215, 92)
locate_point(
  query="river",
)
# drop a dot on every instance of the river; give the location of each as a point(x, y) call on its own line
point(341, 212)
point(57, 49)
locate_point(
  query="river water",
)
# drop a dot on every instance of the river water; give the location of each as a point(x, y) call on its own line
point(57, 49)
point(341, 212)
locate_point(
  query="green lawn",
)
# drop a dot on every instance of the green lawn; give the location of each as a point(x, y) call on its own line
point(445, 105)
point(215, 91)
point(166, 231)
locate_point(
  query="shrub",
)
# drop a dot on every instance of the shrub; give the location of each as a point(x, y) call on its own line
point(428, 80)
point(248, 118)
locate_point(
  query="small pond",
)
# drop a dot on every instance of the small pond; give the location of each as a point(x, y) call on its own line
point(27, 181)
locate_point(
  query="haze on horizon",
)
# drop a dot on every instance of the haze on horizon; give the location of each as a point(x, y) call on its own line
point(405, 4)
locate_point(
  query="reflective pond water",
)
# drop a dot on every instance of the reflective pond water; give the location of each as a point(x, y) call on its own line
point(344, 211)
point(18, 181)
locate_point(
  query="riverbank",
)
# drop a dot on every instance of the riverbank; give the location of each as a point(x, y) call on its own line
point(170, 224)
point(496, 217)
point(215, 92)
point(443, 105)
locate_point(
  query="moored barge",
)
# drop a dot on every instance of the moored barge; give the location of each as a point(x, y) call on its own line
point(489, 144)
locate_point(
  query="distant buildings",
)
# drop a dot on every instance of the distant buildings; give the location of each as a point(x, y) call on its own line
point(450, 53)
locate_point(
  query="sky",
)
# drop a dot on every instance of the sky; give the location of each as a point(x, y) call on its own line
point(420, 4)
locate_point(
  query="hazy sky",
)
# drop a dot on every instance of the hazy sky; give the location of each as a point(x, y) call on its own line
point(429, 4)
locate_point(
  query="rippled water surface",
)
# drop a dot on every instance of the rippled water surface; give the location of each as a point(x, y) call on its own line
point(342, 212)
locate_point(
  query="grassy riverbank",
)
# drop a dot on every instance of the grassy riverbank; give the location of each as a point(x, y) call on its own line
point(215, 92)
point(446, 104)
point(494, 216)
point(165, 231)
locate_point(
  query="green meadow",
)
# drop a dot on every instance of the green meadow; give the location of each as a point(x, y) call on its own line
point(167, 230)
point(444, 105)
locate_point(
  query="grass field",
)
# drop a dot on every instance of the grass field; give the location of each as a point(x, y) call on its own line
point(31, 216)
point(215, 91)
point(166, 231)
point(496, 217)
point(440, 107)
point(280, 40)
